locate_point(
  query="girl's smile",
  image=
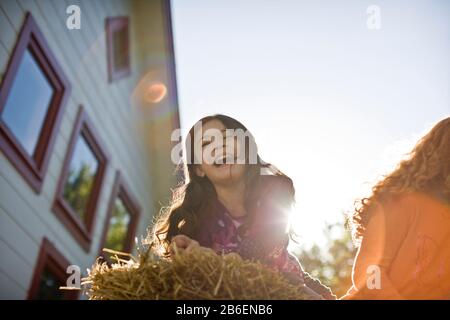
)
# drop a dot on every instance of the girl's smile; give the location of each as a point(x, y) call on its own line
point(218, 163)
point(224, 160)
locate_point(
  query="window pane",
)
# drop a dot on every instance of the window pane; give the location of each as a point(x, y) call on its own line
point(118, 227)
point(120, 49)
point(27, 103)
point(82, 171)
point(49, 287)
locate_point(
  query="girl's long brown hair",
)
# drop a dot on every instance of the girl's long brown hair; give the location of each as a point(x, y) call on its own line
point(426, 170)
point(194, 199)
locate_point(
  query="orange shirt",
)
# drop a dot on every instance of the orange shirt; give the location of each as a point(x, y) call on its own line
point(405, 251)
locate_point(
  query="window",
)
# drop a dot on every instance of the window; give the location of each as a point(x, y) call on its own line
point(32, 98)
point(118, 48)
point(49, 275)
point(122, 218)
point(81, 181)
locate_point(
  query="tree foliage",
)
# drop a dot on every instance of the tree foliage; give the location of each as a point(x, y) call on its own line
point(332, 263)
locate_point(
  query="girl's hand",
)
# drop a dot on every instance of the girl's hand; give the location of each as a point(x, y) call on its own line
point(182, 243)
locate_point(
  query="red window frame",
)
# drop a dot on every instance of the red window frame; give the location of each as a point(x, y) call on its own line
point(82, 230)
point(51, 258)
point(113, 24)
point(122, 191)
point(33, 168)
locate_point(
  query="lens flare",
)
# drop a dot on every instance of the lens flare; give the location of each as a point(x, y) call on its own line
point(155, 92)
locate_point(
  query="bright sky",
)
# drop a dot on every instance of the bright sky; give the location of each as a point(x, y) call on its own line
point(331, 103)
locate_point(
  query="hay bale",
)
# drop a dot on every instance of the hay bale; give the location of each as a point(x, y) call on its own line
point(199, 273)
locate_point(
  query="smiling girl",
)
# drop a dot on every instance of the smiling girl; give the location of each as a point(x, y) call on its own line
point(231, 201)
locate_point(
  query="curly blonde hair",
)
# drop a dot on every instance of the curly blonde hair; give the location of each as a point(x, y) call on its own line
point(427, 170)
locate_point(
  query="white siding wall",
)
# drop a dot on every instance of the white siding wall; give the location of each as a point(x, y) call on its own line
point(25, 217)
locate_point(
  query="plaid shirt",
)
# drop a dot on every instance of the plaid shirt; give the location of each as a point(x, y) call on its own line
point(265, 240)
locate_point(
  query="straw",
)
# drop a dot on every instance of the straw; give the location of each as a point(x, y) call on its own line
point(199, 273)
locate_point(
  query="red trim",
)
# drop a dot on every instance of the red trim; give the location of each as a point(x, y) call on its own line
point(170, 53)
point(172, 77)
point(114, 24)
point(33, 168)
point(121, 190)
point(51, 258)
point(81, 230)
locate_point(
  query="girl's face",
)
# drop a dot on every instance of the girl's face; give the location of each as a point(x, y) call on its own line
point(219, 154)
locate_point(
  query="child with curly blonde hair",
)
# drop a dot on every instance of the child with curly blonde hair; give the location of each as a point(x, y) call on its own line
point(403, 228)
